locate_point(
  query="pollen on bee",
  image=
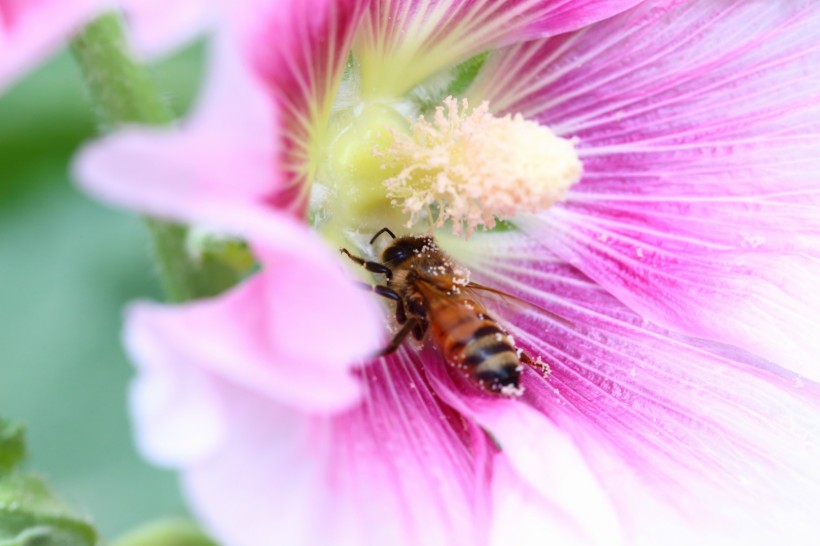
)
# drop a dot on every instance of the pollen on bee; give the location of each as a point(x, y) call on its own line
point(543, 366)
point(512, 390)
point(473, 168)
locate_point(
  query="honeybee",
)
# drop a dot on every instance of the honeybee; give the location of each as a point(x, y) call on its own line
point(433, 294)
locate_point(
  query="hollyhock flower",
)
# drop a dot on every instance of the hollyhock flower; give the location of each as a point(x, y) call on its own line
point(674, 229)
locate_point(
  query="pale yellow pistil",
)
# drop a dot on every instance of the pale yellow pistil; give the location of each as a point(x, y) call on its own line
point(472, 168)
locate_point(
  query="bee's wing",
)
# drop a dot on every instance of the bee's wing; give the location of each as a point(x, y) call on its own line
point(433, 291)
point(509, 298)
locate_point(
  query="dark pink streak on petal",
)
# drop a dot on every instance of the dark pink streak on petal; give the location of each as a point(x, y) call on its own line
point(11, 11)
point(554, 473)
point(443, 33)
point(300, 52)
point(400, 469)
point(683, 430)
point(698, 124)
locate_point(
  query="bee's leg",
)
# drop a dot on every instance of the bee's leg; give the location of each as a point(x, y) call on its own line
point(538, 364)
point(401, 316)
point(389, 293)
point(399, 337)
point(420, 329)
point(373, 267)
point(383, 291)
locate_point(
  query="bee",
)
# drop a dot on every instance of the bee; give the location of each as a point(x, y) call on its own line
point(432, 294)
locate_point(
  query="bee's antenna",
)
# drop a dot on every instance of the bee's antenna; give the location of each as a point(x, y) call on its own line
point(382, 230)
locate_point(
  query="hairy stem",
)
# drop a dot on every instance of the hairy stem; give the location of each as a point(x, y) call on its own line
point(125, 93)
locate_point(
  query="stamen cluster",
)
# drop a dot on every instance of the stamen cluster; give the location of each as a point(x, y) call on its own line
point(473, 168)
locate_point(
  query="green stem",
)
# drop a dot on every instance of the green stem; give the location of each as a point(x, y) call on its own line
point(124, 92)
point(122, 88)
point(170, 532)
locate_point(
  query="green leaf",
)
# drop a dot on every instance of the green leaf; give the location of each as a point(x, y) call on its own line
point(465, 73)
point(12, 446)
point(431, 93)
point(186, 277)
point(30, 513)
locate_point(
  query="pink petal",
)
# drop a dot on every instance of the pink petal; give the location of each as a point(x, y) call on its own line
point(689, 439)
point(541, 456)
point(260, 334)
point(553, 471)
point(398, 469)
point(255, 334)
point(403, 42)
point(226, 153)
point(546, 459)
point(301, 74)
point(304, 290)
point(178, 408)
point(698, 125)
point(522, 516)
point(158, 26)
point(30, 30)
point(256, 126)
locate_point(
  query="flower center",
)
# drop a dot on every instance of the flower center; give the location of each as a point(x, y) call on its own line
point(472, 168)
point(354, 173)
point(463, 166)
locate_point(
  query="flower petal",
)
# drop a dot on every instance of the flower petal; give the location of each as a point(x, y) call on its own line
point(273, 74)
point(263, 331)
point(226, 152)
point(698, 124)
point(158, 26)
point(299, 51)
point(539, 454)
point(178, 409)
point(232, 336)
point(32, 29)
point(522, 516)
point(403, 42)
point(702, 439)
point(398, 469)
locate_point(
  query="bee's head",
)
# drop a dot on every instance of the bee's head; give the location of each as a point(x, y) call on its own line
point(404, 247)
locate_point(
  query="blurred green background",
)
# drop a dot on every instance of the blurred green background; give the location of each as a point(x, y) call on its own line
point(67, 267)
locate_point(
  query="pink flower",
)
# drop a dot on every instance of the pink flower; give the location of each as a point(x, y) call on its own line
point(682, 402)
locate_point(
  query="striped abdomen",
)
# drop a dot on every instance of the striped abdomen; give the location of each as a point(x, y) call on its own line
point(474, 342)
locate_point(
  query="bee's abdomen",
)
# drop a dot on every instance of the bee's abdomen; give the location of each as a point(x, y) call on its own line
point(476, 343)
point(491, 357)
point(489, 344)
